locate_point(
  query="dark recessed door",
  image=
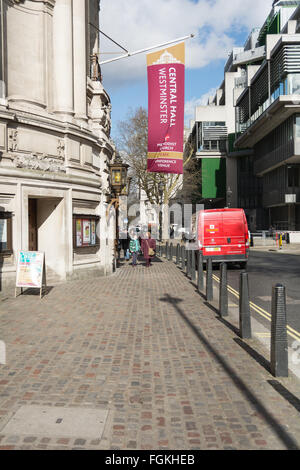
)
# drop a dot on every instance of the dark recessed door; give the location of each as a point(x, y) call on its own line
point(32, 222)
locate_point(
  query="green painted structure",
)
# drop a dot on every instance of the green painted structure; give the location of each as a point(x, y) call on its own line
point(213, 178)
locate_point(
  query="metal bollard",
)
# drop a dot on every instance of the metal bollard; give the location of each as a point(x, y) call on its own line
point(244, 307)
point(170, 258)
point(223, 299)
point(183, 258)
point(159, 250)
point(209, 280)
point(279, 343)
point(200, 272)
point(177, 253)
point(193, 265)
point(167, 250)
point(188, 262)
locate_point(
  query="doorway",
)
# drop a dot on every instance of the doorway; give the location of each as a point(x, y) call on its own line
point(32, 225)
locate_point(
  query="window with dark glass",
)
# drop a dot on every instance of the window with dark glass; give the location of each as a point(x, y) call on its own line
point(297, 126)
point(293, 176)
point(5, 233)
point(85, 231)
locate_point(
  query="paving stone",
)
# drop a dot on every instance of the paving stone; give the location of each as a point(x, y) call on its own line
point(143, 345)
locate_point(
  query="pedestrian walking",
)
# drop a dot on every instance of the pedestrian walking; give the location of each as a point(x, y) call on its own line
point(125, 244)
point(134, 248)
point(148, 248)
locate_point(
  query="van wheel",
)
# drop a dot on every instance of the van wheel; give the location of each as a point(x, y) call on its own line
point(243, 265)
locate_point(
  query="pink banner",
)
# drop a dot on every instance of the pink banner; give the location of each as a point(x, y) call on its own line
point(166, 76)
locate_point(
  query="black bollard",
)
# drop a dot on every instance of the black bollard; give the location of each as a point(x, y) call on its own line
point(183, 258)
point(244, 307)
point(209, 280)
point(193, 265)
point(279, 343)
point(188, 262)
point(167, 250)
point(223, 299)
point(171, 252)
point(177, 253)
point(200, 272)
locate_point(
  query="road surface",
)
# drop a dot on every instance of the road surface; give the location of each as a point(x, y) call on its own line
point(266, 269)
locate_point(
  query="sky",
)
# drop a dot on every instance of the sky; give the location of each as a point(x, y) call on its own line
point(218, 26)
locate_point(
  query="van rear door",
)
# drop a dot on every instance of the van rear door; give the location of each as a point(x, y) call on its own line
point(234, 232)
point(212, 236)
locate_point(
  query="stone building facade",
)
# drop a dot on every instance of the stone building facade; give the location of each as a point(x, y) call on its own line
point(55, 146)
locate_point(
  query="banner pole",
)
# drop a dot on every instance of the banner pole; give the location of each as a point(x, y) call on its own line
point(129, 54)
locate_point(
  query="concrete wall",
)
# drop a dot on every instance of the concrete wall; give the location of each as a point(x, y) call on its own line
point(210, 113)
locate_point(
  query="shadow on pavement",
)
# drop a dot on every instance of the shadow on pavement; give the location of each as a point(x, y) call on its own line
point(256, 356)
point(287, 440)
point(292, 399)
point(36, 292)
point(226, 323)
point(141, 262)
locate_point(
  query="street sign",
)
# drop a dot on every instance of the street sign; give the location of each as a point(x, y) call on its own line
point(290, 198)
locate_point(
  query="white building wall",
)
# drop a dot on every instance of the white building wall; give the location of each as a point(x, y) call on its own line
point(55, 142)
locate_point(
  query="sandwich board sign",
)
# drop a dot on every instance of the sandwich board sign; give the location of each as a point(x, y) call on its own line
point(30, 271)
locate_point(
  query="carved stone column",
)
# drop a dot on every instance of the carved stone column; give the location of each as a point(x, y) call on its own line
point(63, 58)
point(79, 51)
point(2, 56)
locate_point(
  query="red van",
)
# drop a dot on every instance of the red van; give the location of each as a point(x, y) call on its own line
point(222, 235)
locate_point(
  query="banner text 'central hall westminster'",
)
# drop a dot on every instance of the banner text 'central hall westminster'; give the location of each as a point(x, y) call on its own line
point(166, 70)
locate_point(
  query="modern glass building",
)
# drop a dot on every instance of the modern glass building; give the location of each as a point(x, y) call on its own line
point(268, 119)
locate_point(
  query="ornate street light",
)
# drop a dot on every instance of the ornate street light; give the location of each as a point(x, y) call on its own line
point(118, 179)
point(118, 175)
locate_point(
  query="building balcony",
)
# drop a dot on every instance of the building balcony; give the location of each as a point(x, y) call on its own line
point(273, 197)
point(274, 115)
point(240, 56)
point(274, 159)
point(252, 55)
point(212, 149)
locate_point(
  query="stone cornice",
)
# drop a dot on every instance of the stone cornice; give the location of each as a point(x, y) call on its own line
point(47, 176)
point(52, 125)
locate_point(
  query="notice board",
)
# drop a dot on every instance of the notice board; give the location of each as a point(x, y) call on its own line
point(31, 270)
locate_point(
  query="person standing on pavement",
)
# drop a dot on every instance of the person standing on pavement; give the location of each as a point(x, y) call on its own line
point(134, 248)
point(148, 248)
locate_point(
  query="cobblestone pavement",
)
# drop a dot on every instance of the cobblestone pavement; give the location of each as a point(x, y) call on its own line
point(143, 345)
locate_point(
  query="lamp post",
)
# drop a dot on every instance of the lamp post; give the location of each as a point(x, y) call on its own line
point(118, 178)
point(229, 194)
point(161, 187)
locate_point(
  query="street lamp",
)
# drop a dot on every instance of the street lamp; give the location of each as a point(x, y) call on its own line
point(118, 178)
point(161, 188)
point(229, 194)
point(118, 175)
